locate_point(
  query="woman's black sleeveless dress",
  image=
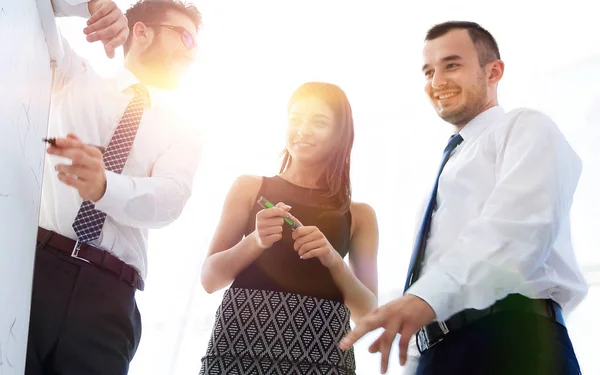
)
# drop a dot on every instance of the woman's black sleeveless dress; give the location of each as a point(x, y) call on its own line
point(283, 314)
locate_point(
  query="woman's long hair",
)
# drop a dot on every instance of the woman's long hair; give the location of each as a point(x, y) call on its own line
point(336, 176)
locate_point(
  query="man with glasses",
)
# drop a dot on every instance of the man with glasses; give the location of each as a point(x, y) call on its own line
point(98, 203)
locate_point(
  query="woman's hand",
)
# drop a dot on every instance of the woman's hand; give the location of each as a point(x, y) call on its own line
point(310, 242)
point(269, 225)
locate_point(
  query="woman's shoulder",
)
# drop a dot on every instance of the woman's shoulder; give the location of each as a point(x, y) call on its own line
point(246, 187)
point(248, 180)
point(361, 208)
point(362, 214)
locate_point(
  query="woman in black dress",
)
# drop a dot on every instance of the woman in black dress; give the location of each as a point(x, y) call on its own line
point(292, 294)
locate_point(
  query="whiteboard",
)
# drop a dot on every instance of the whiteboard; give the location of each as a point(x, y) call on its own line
point(25, 78)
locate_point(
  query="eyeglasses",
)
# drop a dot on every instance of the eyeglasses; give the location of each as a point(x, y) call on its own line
point(188, 40)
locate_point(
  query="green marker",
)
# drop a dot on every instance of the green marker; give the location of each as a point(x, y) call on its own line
point(264, 203)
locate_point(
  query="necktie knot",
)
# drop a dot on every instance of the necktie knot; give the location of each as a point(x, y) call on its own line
point(140, 91)
point(453, 142)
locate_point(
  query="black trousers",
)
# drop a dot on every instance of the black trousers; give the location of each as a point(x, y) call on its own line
point(83, 319)
point(505, 343)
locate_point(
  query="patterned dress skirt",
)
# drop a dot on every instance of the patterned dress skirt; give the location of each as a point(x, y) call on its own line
point(265, 332)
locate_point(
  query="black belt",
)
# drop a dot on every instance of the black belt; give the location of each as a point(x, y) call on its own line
point(435, 332)
point(90, 254)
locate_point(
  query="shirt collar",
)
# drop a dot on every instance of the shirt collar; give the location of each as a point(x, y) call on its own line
point(482, 121)
point(125, 79)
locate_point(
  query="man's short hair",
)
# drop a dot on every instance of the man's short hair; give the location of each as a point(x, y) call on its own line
point(152, 11)
point(485, 44)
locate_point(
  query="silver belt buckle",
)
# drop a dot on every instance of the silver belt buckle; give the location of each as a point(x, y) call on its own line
point(75, 252)
point(423, 341)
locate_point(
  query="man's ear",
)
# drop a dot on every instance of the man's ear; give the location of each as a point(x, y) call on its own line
point(142, 34)
point(495, 71)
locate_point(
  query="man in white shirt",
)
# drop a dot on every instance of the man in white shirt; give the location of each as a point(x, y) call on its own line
point(493, 268)
point(120, 165)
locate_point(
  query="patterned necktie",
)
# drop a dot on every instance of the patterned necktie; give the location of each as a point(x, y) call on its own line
point(418, 253)
point(89, 222)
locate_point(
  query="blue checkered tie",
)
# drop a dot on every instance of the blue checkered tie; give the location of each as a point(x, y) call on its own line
point(89, 222)
point(418, 253)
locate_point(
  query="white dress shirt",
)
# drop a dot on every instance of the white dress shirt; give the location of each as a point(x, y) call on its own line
point(63, 8)
point(48, 10)
point(157, 178)
point(502, 222)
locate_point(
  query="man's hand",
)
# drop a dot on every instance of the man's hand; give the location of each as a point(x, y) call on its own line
point(86, 173)
point(404, 316)
point(108, 24)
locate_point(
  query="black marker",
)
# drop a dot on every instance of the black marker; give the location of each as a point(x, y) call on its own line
point(52, 141)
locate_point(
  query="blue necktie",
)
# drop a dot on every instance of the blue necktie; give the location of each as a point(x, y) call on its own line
point(418, 253)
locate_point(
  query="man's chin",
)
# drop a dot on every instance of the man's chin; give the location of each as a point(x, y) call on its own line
point(454, 118)
point(447, 115)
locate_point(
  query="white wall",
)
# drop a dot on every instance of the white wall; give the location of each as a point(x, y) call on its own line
point(24, 93)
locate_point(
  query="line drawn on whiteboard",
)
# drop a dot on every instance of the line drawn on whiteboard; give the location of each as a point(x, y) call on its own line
point(23, 139)
point(7, 346)
point(37, 181)
point(26, 109)
point(19, 133)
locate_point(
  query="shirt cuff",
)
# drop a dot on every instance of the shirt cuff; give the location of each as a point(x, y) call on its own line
point(66, 8)
point(439, 290)
point(115, 196)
